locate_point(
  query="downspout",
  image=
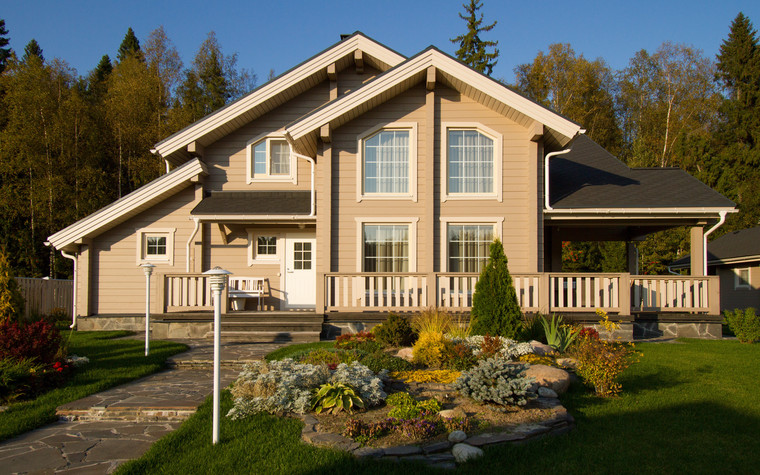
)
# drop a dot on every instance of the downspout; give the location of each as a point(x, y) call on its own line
point(74, 291)
point(189, 241)
point(311, 161)
point(166, 162)
point(704, 238)
point(546, 175)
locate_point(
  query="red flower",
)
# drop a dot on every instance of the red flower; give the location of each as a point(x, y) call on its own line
point(57, 364)
point(59, 369)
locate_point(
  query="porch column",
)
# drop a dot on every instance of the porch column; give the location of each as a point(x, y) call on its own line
point(697, 251)
point(84, 268)
point(324, 221)
point(633, 257)
point(428, 223)
point(555, 256)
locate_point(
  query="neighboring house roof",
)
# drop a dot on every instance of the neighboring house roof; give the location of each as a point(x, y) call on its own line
point(590, 177)
point(232, 204)
point(732, 248)
point(129, 205)
point(272, 94)
point(449, 71)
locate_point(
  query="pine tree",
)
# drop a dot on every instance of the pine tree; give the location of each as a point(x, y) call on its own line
point(495, 310)
point(130, 46)
point(32, 49)
point(4, 52)
point(473, 50)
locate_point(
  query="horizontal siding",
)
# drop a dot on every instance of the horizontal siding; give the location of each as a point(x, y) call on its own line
point(118, 283)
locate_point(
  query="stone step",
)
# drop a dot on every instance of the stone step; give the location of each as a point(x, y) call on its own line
point(207, 364)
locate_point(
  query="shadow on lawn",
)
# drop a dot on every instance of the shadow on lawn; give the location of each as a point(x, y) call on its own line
point(683, 438)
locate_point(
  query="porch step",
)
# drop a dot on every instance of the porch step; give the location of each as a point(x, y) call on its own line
point(272, 326)
point(272, 336)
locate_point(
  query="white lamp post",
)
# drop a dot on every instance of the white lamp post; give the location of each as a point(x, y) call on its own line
point(217, 278)
point(148, 269)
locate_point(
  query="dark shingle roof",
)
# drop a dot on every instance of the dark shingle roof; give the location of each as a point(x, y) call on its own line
point(234, 203)
point(590, 177)
point(734, 245)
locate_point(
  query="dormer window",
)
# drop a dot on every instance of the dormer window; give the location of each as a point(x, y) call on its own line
point(269, 159)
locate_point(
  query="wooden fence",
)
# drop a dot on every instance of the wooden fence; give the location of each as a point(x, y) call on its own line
point(44, 295)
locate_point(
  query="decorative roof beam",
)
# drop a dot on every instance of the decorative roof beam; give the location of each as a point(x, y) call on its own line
point(324, 133)
point(359, 60)
point(195, 149)
point(430, 82)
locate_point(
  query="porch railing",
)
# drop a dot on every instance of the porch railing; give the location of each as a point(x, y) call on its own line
point(185, 292)
point(619, 293)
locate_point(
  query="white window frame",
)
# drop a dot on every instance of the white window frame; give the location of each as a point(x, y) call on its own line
point(254, 257)
point(143, 233)
point(249, 158)
point(497, 223)
point(498, 158)
point(408, 221)
point(412, 193)
point(737, 279)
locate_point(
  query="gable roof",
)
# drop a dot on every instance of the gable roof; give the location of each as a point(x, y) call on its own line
point(128, 205)
point(450, 72)
point(590, 177)
point(273, 93)
point(734, 247)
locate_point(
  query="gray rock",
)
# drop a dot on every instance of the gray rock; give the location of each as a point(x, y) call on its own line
point(540, 348)
point(547, 392)
point(549, 377)
point(403, 450)
point(452, 413)
point(457, 436)
point(436, 447)
point(465, 452)
point(368, 452)
point(569, 363)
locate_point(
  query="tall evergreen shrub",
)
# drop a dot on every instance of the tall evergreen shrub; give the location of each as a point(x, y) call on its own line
point(494, 305)
point(11, 300)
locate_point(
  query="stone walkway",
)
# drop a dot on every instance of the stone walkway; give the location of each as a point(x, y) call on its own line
point(106, 429)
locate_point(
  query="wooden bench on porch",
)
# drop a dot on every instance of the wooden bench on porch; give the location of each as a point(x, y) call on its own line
point(241, 288)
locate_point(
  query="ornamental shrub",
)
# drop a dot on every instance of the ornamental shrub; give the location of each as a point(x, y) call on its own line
point(509, 349)
point(18, 378)
point(457, 356)
point(395, 331)
point(600, 363)
point(11, 300)
point(352, 341)
point(495, 309)
point(432, 320)
point(379, 360)
point(39, 341)
point(429, 349)
point(745, 324)
point(329, 356)
point(334, 398)
point(497, 381)
point(443, 376)
point(406, 407)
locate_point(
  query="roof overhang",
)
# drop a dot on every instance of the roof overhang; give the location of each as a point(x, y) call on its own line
point(275, 92)
point(720, 262)
point(120, 210)
point(452, 73)
point(575, 214)
point(251, 218)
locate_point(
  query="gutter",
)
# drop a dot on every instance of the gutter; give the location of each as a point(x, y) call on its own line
point(549, 155)
point(704, 240)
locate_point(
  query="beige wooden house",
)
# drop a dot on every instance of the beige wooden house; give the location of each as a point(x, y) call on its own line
point(361, 182)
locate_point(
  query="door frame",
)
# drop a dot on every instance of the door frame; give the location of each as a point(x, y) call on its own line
point(287, 238)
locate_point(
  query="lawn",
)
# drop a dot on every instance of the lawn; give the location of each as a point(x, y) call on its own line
point(112, 362)
point(687, 407)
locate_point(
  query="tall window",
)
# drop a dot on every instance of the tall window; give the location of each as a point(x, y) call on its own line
point(468, 246)
point(470, 162)
point(386, 248)
point(386, 162)
point(741, 279)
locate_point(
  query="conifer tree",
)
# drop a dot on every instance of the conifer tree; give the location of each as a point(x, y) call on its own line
point(4, 52)
point(472, 49)
point(495, 310)
point(32, 49)
point(130, 46)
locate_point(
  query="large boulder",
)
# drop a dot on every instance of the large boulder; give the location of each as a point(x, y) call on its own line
point(541, 349)
point(405, 354)
point(465, 452)
point(457, 436)
point(550, 377)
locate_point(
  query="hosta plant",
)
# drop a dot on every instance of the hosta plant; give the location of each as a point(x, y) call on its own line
point(336, 397)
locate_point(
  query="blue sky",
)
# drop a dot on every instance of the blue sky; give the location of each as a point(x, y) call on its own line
point(278, 35)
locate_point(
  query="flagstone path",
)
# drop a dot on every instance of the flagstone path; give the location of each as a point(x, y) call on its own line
point(99, 432)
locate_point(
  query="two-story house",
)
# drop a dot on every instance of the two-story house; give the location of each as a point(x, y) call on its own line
point(361, 182)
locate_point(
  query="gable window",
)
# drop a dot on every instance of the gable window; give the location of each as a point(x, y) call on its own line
point(387, 165)
point(472, 164)
point(386, 248)
point(741, 279)
point(468, 246)
point(269, 159)
point(155, 246)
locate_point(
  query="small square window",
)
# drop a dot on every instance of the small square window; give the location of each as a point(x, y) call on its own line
point(266, 246)
point(155, 246)
point(741, 279)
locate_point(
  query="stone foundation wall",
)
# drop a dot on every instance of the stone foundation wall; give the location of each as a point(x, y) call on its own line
point(159, 330)
point(654, 329)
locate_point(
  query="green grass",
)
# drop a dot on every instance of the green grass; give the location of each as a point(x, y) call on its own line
point(112, 362)
point(687, 407)
point(289, 351)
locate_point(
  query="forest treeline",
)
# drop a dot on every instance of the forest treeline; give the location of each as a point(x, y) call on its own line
point(70, 144)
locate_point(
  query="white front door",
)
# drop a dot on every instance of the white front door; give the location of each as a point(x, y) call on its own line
point(300, 272)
